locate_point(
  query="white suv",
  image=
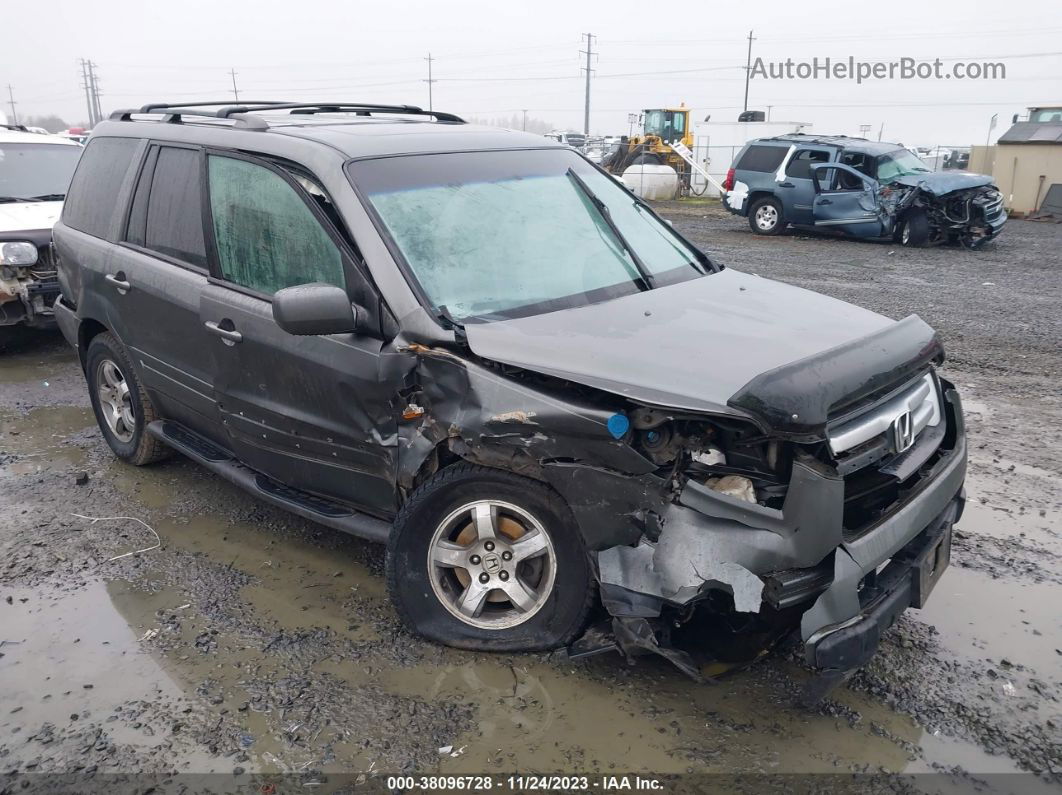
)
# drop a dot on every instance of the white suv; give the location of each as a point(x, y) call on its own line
point(35, 171)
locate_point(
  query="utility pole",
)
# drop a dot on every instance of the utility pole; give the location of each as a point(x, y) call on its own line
point(12, 103)
point(95, 91)
point(589, 51)
point(748, 70)
point(88, 92)
point(429, 81)
point(235, 93)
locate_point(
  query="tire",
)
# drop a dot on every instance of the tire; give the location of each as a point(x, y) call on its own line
point(555, 585)
point(107, 366)
point(914, 231)
point(765, 216)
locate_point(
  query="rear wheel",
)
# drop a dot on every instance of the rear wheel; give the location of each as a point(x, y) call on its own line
point(484, 559)
point(765, 216)
point(122, 407)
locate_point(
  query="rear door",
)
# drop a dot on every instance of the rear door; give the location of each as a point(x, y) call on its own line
point(310, 412)
point(157, 273)
point(795, 189)
point(855, 212)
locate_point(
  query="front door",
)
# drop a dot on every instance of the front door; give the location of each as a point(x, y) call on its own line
point(308, 411)
point(794, 186)
point(856, 212)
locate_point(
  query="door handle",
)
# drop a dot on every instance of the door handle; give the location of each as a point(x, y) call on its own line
point(118, 280)
point(825, 201)
point(229, 336)
point(786, 185)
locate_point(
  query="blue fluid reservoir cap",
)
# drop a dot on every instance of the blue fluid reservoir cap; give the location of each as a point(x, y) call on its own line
point(618, 425)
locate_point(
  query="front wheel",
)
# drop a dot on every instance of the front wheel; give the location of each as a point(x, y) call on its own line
point(914, 231)
point(765, 216)
point(485, 559)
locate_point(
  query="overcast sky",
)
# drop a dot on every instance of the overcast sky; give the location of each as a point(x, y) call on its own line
point(499, 58)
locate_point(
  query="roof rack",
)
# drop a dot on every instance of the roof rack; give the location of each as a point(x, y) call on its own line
point(243, 113)
point(15, 127)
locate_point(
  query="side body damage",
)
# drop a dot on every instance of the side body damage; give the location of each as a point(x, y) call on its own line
point(939, 208)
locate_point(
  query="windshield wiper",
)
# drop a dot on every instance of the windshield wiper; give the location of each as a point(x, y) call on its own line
point(49, 197)
point(602, 208)
point(6, 199)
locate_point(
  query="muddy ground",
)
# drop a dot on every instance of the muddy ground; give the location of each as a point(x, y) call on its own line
point(255, 641)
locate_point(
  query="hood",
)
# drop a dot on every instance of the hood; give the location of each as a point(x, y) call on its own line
point(688, 346)
point(940, 182)
point(17, 216)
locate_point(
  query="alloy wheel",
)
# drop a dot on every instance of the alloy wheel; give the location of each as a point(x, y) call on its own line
point(492, 564)
point(115, 403)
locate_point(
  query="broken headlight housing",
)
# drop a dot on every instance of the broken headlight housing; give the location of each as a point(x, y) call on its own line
point(730, 456)
point(18, 254)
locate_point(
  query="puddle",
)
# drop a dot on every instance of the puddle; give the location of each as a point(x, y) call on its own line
point(980, 617)
point(40, 439)
point(21, 368)
point(153, 486)
point(75, 660)
point(291, 569)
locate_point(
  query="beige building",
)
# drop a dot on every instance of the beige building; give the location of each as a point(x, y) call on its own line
point(1026, 160)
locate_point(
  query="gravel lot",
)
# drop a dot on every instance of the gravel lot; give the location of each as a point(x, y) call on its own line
point(255, 641)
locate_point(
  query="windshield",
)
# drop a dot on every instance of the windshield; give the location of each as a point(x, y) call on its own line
point(490, 235)
point(900, 163)
point(36, 171)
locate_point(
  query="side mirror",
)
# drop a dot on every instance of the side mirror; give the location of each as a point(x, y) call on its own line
point(312, 309)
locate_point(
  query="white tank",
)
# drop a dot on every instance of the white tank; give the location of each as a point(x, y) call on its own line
point(654, 183)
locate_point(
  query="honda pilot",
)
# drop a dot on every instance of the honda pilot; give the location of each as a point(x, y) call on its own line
point(480, 349)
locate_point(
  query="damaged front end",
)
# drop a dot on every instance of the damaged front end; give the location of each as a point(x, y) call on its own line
point(818, 500)
point(28, 282)
point(956, 210)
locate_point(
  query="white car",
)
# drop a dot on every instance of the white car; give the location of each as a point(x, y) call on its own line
point(35, 171)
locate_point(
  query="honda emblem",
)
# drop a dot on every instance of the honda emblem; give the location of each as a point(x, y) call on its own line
point(903, 432)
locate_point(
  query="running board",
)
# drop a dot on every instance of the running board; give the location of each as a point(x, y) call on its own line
point(309, 506)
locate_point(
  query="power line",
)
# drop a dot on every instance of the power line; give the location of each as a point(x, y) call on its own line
point(12, 103)
point(589, 52)
point(86, 83)
point(748, 71)
point(92, 66)
point(429, 81)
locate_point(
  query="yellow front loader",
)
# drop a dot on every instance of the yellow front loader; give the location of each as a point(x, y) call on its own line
point(661, 127)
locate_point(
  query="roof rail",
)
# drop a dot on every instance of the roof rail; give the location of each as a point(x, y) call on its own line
point(15, 127)
point(243, 112)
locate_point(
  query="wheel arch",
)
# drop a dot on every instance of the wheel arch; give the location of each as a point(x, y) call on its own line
point(87, 330)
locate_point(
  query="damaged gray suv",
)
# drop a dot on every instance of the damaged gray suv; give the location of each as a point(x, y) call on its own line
point(479, 348)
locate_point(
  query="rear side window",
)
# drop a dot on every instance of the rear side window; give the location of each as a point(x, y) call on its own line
point(762, 158)
point(167, 215)
point(799, 165)
point(92, 200)
point(267, 237)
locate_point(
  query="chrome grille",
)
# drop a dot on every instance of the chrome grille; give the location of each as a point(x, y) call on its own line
point(921, 399)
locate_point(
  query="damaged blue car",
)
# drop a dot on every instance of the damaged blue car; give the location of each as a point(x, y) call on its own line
point(860, 188)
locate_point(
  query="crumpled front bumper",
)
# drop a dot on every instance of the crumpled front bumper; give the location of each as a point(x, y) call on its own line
point(711, 541)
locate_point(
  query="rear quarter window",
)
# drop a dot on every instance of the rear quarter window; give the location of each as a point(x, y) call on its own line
point(92, 200)
point(762, 158)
